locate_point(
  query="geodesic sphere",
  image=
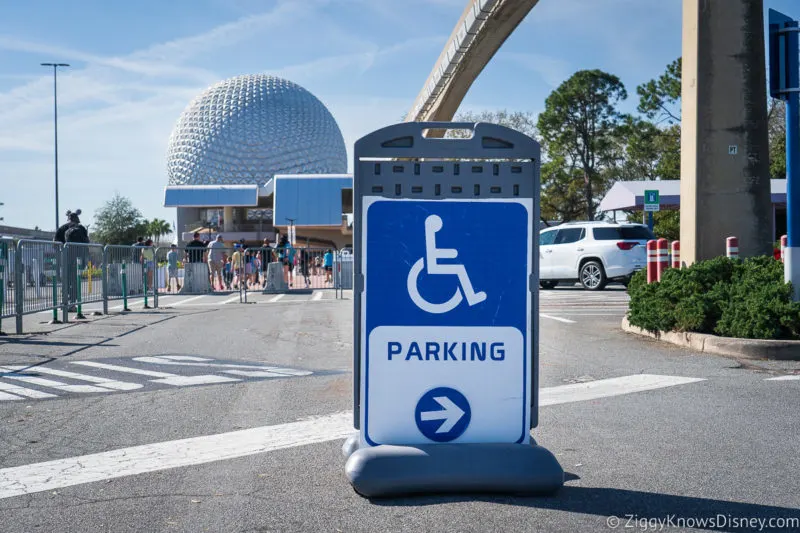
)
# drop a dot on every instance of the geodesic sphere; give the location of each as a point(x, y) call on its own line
point(246, 129)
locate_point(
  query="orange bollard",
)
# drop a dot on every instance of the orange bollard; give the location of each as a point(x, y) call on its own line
point(676, 254)
point(663, 260)
point(652, 260)
point(732, 247)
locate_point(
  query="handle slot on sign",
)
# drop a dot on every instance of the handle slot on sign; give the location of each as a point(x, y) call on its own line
point(455, 189)
point(416, 189)
point(377, 188)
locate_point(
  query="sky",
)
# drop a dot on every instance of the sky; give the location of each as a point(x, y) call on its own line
point(135, 66)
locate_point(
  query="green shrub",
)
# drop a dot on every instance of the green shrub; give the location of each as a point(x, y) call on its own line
point(746, 299)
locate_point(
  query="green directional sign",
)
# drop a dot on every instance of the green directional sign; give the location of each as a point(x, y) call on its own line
point(652, 201)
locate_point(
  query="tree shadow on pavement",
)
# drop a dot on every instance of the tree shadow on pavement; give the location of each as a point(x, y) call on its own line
point(640, 506)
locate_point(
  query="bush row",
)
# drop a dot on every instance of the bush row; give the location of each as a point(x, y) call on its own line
point(732, 298)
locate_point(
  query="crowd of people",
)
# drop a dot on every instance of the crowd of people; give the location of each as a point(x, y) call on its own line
point(243, 266)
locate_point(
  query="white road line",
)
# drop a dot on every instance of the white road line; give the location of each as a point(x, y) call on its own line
point(605, 388)
point(21, 391)
point(171, 360)
point(104, 382)
point(4, 396)
point(165, 378)
point(275, 298)
point(117, 368)
point(185, 358)
point(40, 477)
point(187, 300)
point(60, 473)
point(784, 378)
point(565, 320)
point(232, 299)
point(53, 384)
point(317, 296)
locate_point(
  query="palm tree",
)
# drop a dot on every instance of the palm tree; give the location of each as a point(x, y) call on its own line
point(158, 228)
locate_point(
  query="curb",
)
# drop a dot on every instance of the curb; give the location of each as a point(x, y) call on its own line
point(712, 344)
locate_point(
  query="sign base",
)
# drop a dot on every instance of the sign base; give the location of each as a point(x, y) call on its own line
point(389, 471)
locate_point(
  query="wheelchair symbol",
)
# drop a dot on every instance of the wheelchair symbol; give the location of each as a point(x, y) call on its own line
point(432, 255)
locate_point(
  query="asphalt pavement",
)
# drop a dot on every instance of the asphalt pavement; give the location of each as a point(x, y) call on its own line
point(212, 415)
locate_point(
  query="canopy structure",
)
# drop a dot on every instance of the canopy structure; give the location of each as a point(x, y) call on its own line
point(210, 195)
point(629, 195)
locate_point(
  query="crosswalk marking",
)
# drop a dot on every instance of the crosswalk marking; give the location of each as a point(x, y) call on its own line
point(232, 299)
point(317, 296)
point(276, 298)
point(4, 396)
point(242, 369)
point(165, 378)
point(784, 378)
point(21, 391)
point(116, 368)
point(104, 382)
point(52, 384)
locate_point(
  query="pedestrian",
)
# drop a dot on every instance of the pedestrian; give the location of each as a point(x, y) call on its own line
point(327, 264)
point(286, 255)
point(73, 232)
point(227, 271)
point(148, 262)
point(236, 265)
point(172, 268)
point(304, 260)
point(215, 251)
point(266, 259)
point(195, 249)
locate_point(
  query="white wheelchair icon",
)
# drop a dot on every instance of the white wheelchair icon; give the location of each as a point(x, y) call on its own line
point(432, 255)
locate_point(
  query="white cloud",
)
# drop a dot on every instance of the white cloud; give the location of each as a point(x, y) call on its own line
point(552, 70)
point(116, 112)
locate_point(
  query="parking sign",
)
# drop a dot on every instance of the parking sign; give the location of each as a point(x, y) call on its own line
point(447, 305)
point(446, 313)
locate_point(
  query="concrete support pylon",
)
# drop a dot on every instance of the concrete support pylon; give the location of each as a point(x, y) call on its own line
point(227, 219)
point(725, 187)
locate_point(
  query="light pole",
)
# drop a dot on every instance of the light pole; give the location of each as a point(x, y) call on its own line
point(55, 122)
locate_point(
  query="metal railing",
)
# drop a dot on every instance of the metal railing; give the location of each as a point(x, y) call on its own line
point(44, 276)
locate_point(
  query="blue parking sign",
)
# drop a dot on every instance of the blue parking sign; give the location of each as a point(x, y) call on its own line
point(446, 307)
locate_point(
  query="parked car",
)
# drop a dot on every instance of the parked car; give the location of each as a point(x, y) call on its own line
point(594, 253)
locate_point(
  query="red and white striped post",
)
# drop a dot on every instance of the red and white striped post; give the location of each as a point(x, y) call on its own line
point(652, 261)
point(732, 247)
point(784, 245)
point(676, 254)
point(663, 260)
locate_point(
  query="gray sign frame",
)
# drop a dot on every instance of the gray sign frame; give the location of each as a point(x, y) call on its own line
point(399, 162)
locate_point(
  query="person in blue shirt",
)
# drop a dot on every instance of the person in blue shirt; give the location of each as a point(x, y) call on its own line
point(327, 264)
point(286, 255)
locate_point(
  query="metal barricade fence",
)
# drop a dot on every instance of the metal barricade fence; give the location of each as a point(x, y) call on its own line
point(82, 276)
point(344, 270)
point(195, 270)
point(125, 273)
point(38, 267)
point(7, 285)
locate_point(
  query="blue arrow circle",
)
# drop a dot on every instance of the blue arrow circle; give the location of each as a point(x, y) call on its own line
point(442, 414)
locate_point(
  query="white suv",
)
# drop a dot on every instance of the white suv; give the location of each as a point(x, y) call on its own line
point(593, 253)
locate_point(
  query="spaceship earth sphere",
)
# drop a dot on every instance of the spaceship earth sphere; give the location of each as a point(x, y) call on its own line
point(246, 129)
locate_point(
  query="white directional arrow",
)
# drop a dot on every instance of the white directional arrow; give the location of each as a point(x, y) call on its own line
point(451, 414)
